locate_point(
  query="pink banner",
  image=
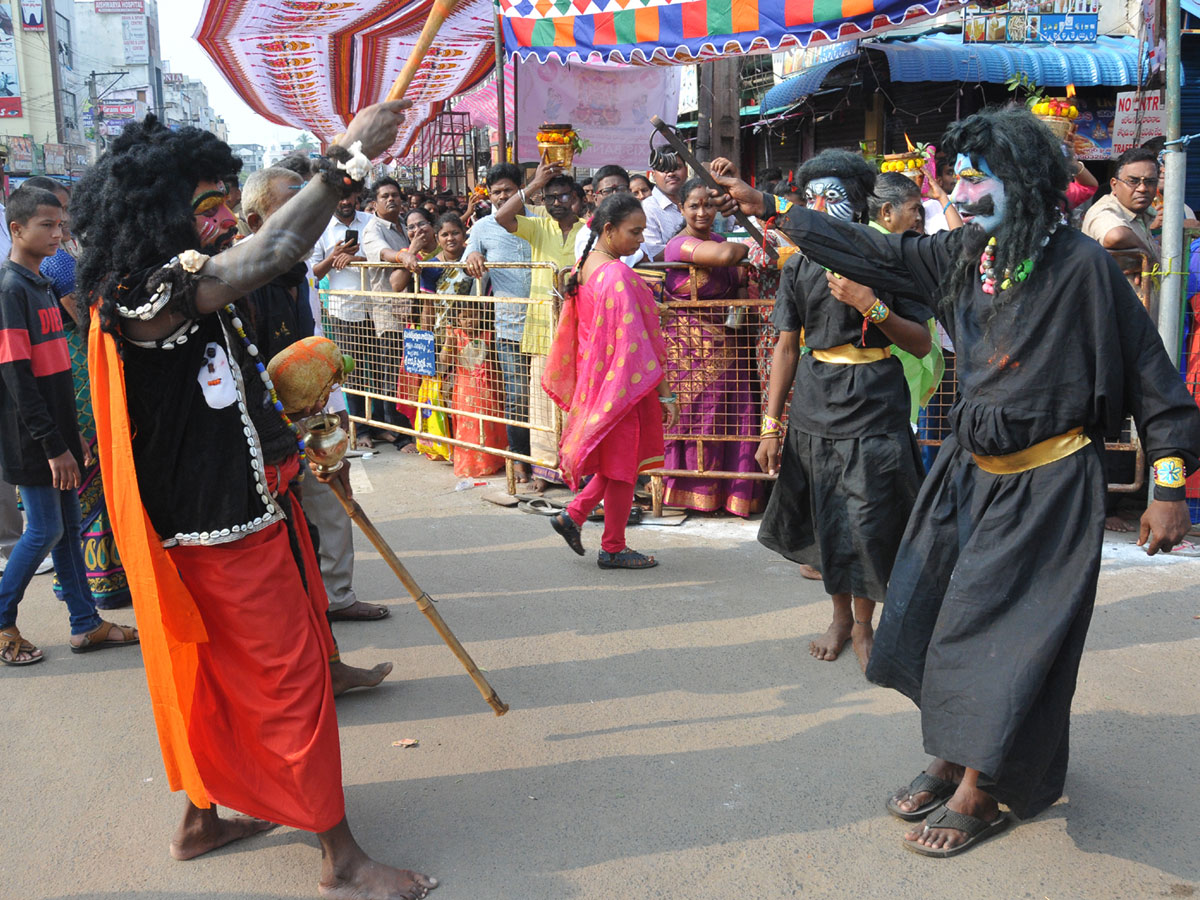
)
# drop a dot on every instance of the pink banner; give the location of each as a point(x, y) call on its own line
point(609, 106)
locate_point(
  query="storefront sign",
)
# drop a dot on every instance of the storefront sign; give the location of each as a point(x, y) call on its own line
point(136, 38)
point(20, 154)
point(419, 353)
point(121, 6)
point(33, 18)
point(1094, 128)
point(56, 158)
point(10, 87)
point(1032, 22)
point(1138, 119)
point(609, 106)
point(793, 62)
point(119, 110)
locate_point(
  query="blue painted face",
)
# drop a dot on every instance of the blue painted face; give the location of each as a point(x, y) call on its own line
point(979, 195)
point(827, 194)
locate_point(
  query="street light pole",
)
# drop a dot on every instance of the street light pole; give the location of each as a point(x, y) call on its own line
point(1174, 174)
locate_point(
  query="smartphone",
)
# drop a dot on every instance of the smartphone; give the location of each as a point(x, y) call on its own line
point(351, 236)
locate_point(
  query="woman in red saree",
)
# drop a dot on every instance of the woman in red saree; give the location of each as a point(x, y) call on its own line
point(605, 369)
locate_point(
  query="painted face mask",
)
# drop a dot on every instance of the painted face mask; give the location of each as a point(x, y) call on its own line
point(979, 194)
point(215, 224)
point(828, 195)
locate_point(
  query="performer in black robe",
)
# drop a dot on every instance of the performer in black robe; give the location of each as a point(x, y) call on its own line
point(994, 582)
point(850, 467)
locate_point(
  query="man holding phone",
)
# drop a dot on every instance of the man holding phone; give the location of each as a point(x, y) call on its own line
point(350, 325)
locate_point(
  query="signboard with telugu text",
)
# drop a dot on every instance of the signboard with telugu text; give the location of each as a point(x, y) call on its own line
point(1032, 22)
point(135, 36)
point(20, 154)
point(1138, 118)
point(56, 158)
point(420, 353)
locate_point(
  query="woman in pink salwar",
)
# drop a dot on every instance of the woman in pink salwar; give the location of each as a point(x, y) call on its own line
point(605, 369)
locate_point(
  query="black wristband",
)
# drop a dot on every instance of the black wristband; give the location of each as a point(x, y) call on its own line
point(1170, 494)
point(327, 168)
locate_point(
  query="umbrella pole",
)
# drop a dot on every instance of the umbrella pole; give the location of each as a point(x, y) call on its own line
point(355, 512)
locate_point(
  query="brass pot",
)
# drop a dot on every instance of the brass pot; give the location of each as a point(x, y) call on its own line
point(562, 154)
point(326, 442)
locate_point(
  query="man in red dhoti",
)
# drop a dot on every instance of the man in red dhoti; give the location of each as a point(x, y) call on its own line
point(200, 461)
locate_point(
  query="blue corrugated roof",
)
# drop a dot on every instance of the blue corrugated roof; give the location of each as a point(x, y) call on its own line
point(791, 91)
point(1191, 6)
point(1110, 61)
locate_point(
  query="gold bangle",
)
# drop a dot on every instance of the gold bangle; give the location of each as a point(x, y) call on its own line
point(1169, 472)
point(878, 312)
point(770, 434)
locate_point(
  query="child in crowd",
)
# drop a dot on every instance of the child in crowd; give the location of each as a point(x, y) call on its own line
point(40, 449)
point(471, 355)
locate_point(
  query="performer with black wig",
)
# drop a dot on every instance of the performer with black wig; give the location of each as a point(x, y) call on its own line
point(850, 467)
point(994, 582)
point(199, 457)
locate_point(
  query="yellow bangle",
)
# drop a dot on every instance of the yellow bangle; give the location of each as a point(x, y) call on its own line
point(1169, 472)
point(878, 312)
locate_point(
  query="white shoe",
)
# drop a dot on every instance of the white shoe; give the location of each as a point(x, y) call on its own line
point(47, 565)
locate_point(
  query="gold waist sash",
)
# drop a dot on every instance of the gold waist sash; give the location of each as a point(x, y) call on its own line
point(1042, 453)
point(849, 355)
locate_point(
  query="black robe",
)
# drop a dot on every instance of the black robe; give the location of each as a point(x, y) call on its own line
point(850, 468)
point(993, 586)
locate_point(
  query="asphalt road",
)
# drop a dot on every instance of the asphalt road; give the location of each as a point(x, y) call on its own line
point(670, 737)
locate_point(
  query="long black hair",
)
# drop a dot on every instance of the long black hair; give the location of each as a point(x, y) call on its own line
point(613, 210)
point(1026, 156)
point(132, 210)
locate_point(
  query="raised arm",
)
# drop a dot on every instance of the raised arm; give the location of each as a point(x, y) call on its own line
point(506, 215)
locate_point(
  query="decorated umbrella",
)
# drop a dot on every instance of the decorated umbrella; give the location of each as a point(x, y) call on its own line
point(312, 63)
point(680, 32)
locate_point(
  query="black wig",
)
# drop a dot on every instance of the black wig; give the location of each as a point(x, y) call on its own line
point(856, 174)
point(132, 210)
point(1026, 156)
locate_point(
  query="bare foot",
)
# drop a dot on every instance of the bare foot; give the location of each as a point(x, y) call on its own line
point(969, 801)
point(862, 639)
point(369, 880)
point(347, 678)
point(939, 768)
point(1116, 523)
point(410, 447)
point(363, 442)
point(522, 472)
point(807, 571)
point(829, 645)
point(202, 831)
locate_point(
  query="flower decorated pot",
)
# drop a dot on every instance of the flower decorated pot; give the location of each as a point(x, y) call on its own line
point(557, 144)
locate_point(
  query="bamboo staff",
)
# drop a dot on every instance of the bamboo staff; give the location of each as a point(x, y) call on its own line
point(424, 602)
point(686, 155)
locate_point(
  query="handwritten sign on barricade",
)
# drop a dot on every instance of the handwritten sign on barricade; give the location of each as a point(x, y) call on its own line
point(420, 353)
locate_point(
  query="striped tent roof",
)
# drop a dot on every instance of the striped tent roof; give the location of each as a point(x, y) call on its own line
point(676, 32)
point(312, 63)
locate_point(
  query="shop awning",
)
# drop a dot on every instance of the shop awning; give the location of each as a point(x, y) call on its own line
point(1191, 7)
point(791, 91)
point(1111, 61)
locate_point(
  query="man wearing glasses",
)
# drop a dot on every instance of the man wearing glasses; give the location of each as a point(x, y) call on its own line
point(607, 181)
point(1121, 221)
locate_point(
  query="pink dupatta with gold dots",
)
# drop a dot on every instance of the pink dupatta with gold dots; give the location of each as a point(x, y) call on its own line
point(606, 357)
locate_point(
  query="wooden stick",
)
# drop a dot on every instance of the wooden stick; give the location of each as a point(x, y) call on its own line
point(355, 512)
point(685, 154)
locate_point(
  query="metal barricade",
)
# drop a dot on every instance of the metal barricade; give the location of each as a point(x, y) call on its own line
point(460, 385)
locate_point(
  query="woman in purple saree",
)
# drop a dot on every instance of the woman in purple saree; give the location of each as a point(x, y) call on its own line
point(712, 367)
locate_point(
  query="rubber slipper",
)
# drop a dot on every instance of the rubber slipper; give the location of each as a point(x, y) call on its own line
point(635, 515)
point(976, 830)
point(626, 559)
point(565, 526)
point(500, 498)
point(376, 612)
point(924, 783)
point(665, 519)
point(541, 507)
point(97, 638)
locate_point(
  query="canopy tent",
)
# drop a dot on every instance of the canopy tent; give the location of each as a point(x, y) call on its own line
point(680, 32)
point(312, 63)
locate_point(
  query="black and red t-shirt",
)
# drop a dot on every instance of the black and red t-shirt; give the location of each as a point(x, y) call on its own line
point(37, 392)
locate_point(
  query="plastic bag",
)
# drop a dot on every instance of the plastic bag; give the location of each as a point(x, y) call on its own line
point(430, 421)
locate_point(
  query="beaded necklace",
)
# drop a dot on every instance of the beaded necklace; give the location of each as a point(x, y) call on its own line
point(987, 267)
point(236, 322)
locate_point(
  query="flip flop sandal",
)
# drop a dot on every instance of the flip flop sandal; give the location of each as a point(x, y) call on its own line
point(97, 638)
point(923, 783)
point(565, 525)
point(500, 498)
point(377, 612)
point(13, 644)
point(626, 559)
point(976, 830)
point(635, 515)
point(541, 507)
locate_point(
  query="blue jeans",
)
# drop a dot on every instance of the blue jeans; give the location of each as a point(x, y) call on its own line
point(52, 524)
point(514, 370)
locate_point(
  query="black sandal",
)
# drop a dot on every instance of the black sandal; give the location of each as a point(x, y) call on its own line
point(976, 830)
point(924, 783)
point(626, 559)
point(565, 525)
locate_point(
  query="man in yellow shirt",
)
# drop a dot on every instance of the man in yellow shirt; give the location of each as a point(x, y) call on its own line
point(551, 239)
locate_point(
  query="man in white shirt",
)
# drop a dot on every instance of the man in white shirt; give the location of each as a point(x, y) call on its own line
point(664, 213)
point(349, 320)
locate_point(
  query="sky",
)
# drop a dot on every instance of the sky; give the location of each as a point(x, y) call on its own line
point(177, 20)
